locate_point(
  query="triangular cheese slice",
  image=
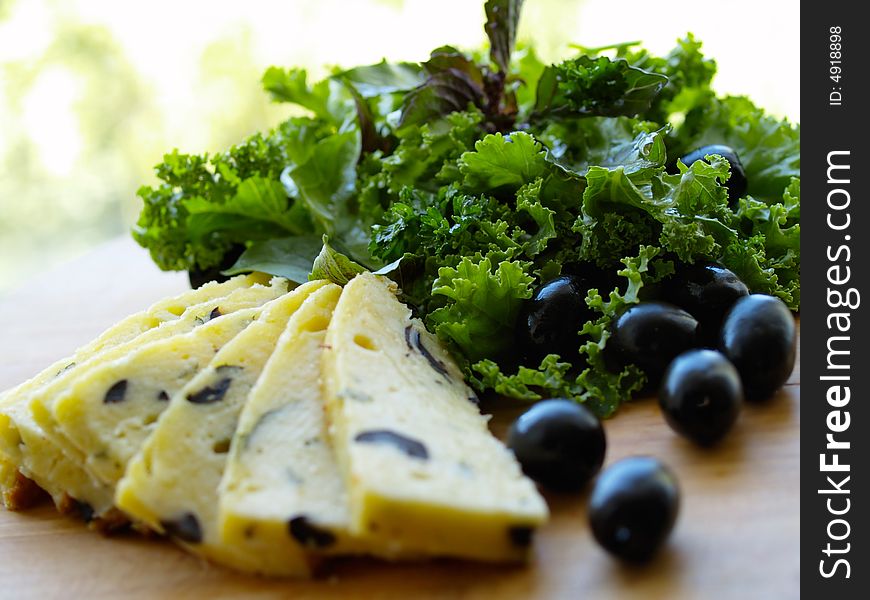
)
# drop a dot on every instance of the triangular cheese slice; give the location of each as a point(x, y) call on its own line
point(281, 496)
point(57, 376)
point(172, 483)
point(422, 470)
point(47, 458)
point(160, 312)
point(110, 413)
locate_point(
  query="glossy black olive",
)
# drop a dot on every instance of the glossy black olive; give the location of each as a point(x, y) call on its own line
point(559, 443)
point(701, 395)
point(199, 277)
point(633, 507)
point(548, 323)
point(760, 338)
point(592, 276)
point(706, 291)
point(737, 183)
point(650, 335)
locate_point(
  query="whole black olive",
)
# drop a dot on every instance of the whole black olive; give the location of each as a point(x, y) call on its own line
point(707, 291)
point(199, 277)
point(592, 276)
point(760, 338)
point(650, 335)
point(633, 507)
point(701, 395)
point(737, 183)
point(548, 323)
point(558, 443)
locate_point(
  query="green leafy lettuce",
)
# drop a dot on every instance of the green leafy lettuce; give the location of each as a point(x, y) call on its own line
point(472, 178)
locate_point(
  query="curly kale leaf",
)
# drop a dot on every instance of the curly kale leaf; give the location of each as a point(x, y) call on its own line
point(769, 260)
point(769, 148)
point(686, 214)
point(483, 301)
point(503, 161)
point(689, 74)
point(596, 87)
point(205, 204)
point(578, 144)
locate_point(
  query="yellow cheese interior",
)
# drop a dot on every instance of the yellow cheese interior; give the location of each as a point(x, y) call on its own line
point(44, 387)
point(54, 471)
point(43, 402)
point(161, 311)
point(102, 435)
point(422, 469)
point(172, 483)
point(50, 461)
point(110, 431)
point(281, 496)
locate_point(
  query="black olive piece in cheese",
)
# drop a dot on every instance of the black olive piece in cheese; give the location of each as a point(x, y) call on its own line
point(186, 528)
point(308, 534)
point(116, 393)
point(409, 446)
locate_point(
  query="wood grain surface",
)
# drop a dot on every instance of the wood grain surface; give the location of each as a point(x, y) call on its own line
point(737, 535)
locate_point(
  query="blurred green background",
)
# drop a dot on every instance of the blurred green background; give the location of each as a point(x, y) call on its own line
point(93, 92)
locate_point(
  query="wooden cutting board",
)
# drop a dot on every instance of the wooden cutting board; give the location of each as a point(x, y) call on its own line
point(737, 535)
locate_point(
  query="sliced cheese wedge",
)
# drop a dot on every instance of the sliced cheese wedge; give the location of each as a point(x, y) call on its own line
point(281, 496)
point(44, 456)
point(422, 469)
point(172, 483)
point(58, 375)
point(160, 312)
point(44, 402)
point(64, 479)
point(109, 414)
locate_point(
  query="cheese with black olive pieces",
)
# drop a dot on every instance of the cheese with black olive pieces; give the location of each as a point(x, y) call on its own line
point(54, 471)
point(172, 483)
point(127, 329)
point(264, 430)
point(43, 401)
point(48, 459)
point(109, 412)
point(281, 497)
point(422, 470)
